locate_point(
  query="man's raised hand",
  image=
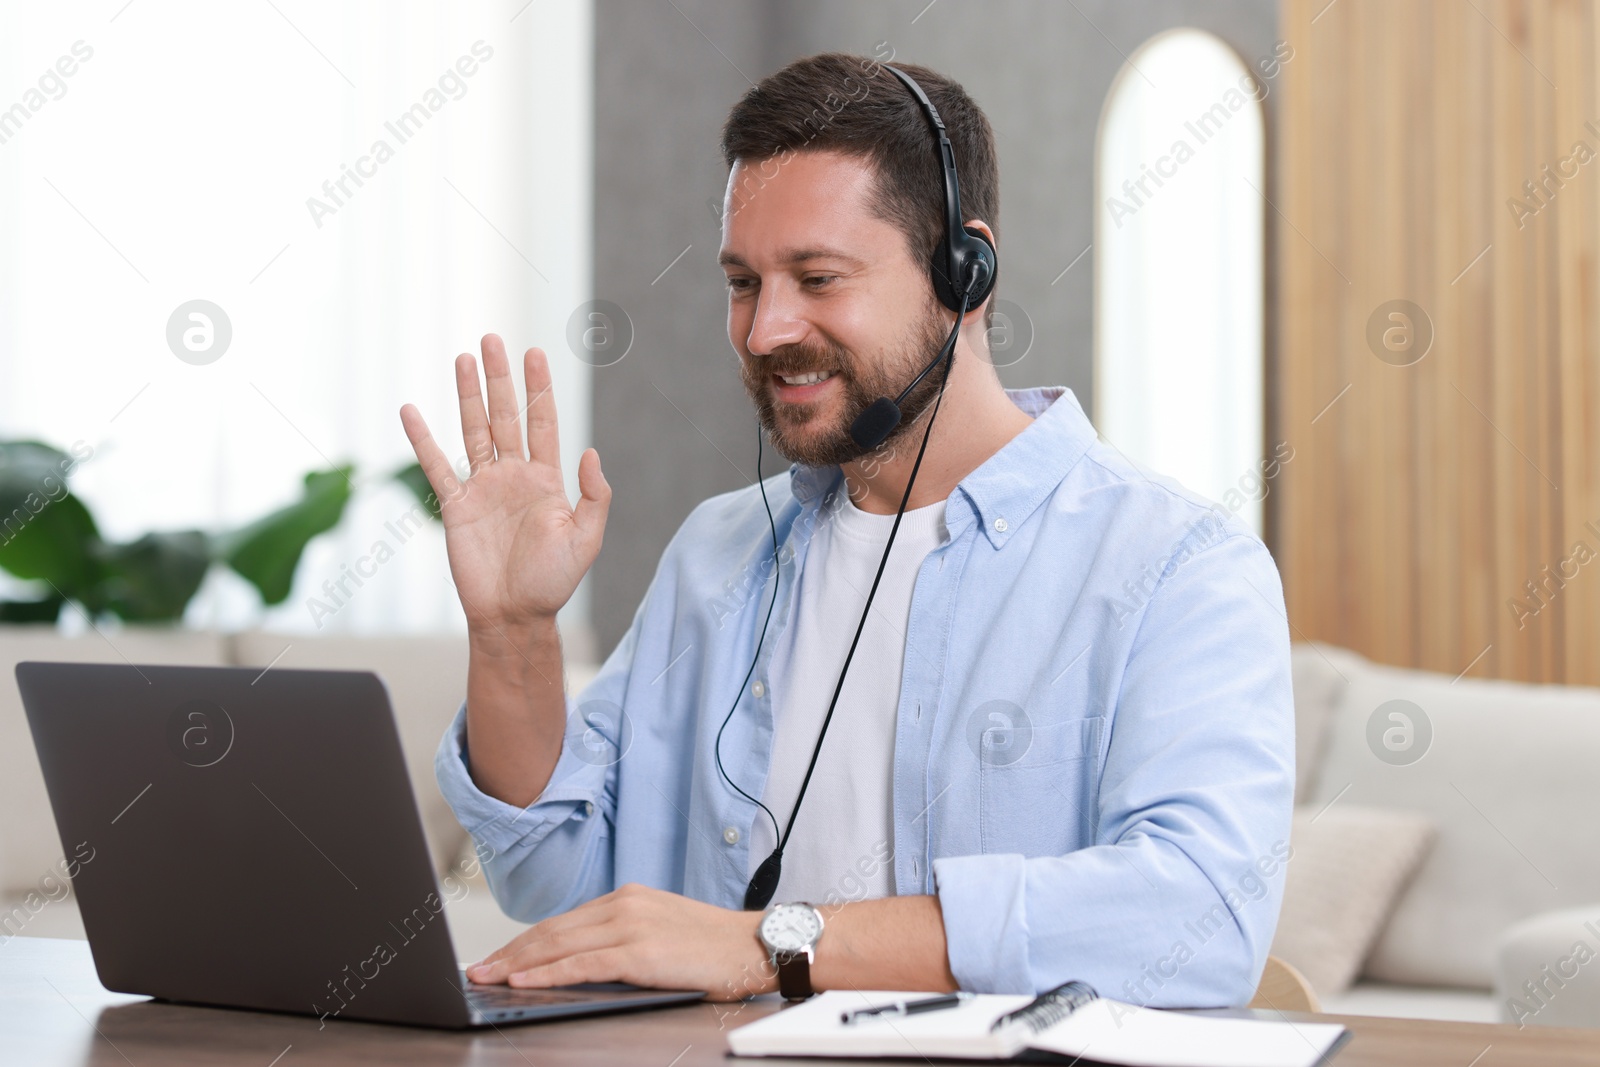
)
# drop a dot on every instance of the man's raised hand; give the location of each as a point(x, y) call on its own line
point(517, 547)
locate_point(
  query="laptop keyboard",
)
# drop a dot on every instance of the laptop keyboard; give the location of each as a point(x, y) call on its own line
point(492, 998)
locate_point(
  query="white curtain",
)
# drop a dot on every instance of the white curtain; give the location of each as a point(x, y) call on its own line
point(185, 158)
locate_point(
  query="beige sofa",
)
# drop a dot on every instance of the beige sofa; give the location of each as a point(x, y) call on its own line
point(1506, 775)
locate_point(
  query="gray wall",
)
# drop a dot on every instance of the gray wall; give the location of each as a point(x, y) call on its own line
point(671, 421)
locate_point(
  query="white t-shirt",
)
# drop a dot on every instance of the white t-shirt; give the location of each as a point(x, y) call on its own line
point(843, 840)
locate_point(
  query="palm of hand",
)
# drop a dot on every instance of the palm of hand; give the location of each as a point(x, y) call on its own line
point(517, 547)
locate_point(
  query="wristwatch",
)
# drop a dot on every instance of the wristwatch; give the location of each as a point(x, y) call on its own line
point(790, 933)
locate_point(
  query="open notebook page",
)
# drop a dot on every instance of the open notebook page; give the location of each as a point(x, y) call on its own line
point(1120, 1033)
point(1105, 1031)
point(812, 1027)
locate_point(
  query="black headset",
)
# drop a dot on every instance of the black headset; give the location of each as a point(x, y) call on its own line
point(965, 248)
point(963, 272)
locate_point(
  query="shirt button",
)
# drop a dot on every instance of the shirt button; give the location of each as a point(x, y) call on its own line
point(1000, 525)
point(730, 835)
point(759, 689)
point(588, 807)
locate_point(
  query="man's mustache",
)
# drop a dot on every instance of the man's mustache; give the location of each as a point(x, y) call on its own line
point(794, 362)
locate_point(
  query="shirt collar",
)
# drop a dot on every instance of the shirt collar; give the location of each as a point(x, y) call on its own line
point(1004, 490)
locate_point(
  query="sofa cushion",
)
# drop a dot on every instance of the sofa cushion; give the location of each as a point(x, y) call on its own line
point(30, 848)
point(427, 680)
point(1347, 867)
point(1547, 969)
point(1319, 675)
point(1415, 1002)
point(1506, 770)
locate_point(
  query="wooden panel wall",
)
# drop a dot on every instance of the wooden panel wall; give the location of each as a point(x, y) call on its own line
point(1423, 499)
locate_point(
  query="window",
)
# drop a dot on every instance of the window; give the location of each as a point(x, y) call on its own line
point(363, 189)
point(1178, 247)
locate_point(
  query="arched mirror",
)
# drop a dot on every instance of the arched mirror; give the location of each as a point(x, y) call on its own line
point(1178, 267)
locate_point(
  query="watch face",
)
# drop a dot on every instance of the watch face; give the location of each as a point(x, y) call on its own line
point(791, 927)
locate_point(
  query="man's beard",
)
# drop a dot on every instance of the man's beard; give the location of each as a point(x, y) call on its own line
point(862, 382)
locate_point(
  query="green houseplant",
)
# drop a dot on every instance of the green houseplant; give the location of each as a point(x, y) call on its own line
point(47, 534)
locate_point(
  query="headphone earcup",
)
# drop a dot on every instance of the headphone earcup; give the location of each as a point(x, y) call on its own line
point(973, 245)
point(984, 251)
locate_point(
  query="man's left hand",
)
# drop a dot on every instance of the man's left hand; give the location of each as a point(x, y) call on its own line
point(645, 936)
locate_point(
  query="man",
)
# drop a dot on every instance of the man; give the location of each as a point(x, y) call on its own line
point(1064, 748)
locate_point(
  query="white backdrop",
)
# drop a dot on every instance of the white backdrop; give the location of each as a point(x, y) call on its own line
point(176, 163)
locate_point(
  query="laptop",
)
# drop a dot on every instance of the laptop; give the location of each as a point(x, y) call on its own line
point(249, 839)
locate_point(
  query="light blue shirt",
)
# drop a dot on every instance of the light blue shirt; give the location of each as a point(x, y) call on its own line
point(1094, 756)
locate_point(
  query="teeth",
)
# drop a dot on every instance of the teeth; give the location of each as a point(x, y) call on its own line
point(806, 379)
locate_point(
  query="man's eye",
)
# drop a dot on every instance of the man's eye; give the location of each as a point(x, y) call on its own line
point(816, 281)
point(739, 285)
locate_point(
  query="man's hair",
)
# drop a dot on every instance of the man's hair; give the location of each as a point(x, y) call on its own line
point(850, 104)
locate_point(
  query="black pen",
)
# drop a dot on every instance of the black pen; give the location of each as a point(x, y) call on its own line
point(906, 1007)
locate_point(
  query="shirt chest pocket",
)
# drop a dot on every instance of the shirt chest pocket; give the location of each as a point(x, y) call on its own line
point(1035, 793)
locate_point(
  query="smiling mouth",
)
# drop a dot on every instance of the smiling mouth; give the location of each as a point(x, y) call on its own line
point(808, 378)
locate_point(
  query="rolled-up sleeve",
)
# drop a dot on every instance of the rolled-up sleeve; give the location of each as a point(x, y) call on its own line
point(558, 851)
point(1176, 901)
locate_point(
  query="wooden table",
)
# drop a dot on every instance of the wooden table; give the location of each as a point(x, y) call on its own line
point(53, 1011)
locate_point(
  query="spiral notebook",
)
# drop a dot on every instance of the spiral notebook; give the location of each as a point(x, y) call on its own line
point(1070, 1022)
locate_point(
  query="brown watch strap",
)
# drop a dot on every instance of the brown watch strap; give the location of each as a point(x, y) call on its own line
point(794, 975)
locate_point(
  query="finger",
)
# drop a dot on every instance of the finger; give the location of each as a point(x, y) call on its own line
point(441, 476)
point(548, 948)
point(594, 498)
point(474, 420)
point(587, 914)
point(544, 437)
point(507, 949)
point(503, 424)
point(602, 965)
point(512, 947)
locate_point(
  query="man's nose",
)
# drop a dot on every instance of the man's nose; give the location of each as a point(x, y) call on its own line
point(777, 322)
